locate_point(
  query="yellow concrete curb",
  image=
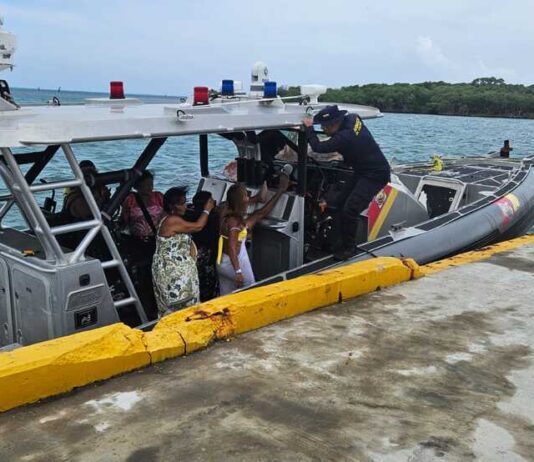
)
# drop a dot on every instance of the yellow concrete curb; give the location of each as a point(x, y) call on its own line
point(57, 366)
point(477, 255)
point(249, 310)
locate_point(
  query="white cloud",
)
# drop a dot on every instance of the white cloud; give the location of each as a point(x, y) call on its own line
point(464, 66)
point(482, 70)
point(431, 54)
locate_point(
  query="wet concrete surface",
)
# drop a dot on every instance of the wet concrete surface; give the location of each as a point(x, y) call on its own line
point(439, 369)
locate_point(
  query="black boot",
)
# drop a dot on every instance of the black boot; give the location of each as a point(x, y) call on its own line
point(348, 235)
point(335, 241)
point(346, 253)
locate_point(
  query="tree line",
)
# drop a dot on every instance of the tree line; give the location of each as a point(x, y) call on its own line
point(484, 96)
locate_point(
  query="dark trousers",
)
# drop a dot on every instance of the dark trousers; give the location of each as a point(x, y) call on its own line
point(353, 200)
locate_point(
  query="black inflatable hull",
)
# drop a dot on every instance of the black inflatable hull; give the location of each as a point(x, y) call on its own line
point(506, 214)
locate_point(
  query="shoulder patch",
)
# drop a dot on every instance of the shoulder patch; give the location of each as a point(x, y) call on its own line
point(357, 126)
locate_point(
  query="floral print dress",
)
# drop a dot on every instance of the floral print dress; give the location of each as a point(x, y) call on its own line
point(175, 273)
point(135, 219)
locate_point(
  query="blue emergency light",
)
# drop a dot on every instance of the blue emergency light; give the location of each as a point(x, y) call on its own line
point(269, 90)
point(227, 88)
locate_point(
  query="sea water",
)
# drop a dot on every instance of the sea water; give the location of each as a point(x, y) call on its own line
point(402, 137)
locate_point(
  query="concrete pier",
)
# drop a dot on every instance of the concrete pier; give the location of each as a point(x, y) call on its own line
point(441, 368)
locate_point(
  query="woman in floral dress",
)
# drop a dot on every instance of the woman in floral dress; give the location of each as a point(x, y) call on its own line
point(174, 265)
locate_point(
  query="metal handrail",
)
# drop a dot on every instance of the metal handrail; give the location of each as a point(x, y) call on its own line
point(55, 185)
point(72, 227)
point(126, 301)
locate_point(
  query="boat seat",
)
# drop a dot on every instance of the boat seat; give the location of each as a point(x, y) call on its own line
point(440, 195)
point(397, 184)
point(393, 207)
point(215, 186)
point(279, 210)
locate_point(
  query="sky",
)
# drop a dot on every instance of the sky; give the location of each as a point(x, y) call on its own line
point(169, 46)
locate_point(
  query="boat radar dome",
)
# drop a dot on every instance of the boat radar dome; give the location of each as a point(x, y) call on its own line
point(258, 76)
point(8, 45)
point(313, 91)
point(260, 73)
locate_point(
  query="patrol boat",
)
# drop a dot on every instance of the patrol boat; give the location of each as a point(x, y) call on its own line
point(58, 277)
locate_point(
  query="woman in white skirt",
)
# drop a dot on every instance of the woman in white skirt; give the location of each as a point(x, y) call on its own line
point(233, 264)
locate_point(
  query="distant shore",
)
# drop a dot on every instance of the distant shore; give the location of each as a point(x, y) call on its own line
point(483, 97)
point(482, 116)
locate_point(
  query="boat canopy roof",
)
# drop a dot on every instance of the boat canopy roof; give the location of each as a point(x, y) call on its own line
point(105, 119)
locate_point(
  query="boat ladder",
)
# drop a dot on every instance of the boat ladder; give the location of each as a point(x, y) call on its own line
point(23, 194)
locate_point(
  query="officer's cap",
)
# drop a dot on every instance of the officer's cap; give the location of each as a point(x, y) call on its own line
point(329, 115)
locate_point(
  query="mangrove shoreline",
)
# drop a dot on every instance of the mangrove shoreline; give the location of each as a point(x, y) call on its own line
point(483, 97)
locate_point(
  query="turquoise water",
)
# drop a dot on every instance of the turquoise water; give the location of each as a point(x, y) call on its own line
point(41, 96)
point(417, 136)
point(403, 137)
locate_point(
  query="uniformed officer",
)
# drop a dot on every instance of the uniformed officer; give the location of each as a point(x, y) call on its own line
point(371, 171)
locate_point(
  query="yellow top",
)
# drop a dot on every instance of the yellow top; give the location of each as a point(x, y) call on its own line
point(241, 237)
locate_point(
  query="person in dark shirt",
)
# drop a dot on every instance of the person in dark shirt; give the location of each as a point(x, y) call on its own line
point(75, 207)
point(371, 171)
point(206, 241)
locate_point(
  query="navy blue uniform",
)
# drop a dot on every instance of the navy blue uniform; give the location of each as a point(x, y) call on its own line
point(371, 170)
point(357, 146)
